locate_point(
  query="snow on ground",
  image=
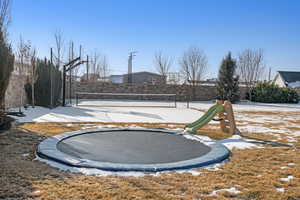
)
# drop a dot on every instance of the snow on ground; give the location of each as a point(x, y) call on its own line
point(252, 106)
point(234, 142)
point(232, 190)
point(295, 84)
point(287, 178)
point(141, 111)
point(280, 189)
point(123, 111)
point(110, 114)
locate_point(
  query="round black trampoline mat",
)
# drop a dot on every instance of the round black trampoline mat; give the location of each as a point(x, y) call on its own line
point(131, 149)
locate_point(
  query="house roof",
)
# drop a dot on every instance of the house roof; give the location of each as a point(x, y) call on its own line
point(289, 76)
point(144, 72)
point(137, 73)
point(116, 76)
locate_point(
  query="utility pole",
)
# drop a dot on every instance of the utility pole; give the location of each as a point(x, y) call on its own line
point(131, 55)
point(270, 74)
point(87, 68)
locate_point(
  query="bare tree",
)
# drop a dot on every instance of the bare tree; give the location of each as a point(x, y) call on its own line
point(23, 56)
point(193, 66)
point(99, 67)
point(174, 78)
point(59, 47)
point(251, 67)
point(104, 67)
point(162, 63)
point(94, 66)
point(5, 16)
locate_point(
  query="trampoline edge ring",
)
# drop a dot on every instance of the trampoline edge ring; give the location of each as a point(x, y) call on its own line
point(48, 149)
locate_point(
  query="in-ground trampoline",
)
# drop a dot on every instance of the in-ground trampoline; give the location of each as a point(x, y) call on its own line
point(148, 150)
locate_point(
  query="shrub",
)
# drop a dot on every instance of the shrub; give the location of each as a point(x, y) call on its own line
point(42, 86)
point(268, 92)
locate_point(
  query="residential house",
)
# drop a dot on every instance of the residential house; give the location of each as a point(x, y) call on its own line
point(116, 78)
point(139, 78)
point(287, 79)
point(145, 77)
point(90, 77)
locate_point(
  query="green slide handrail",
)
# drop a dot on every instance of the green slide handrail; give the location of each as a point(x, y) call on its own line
point(204, 119)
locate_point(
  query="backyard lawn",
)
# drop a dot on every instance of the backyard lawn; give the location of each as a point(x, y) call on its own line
point(253, 171)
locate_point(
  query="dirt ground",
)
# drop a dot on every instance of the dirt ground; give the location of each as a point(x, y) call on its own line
point(257, 173)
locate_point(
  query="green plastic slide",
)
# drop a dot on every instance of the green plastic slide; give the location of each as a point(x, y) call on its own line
point(204, 119)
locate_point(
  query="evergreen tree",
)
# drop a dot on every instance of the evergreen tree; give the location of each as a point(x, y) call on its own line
point(6, 67)
point(227, 85)
point(42, 86)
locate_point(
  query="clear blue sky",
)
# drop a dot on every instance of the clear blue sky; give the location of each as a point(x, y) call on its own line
point(116, 27)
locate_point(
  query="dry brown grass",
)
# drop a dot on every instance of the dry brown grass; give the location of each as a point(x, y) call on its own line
point(255, 172)
point(54, 128)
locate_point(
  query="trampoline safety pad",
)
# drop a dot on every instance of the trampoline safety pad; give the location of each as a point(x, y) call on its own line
point(131, 149)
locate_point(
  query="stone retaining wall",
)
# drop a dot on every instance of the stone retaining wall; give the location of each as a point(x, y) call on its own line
point(202, 92)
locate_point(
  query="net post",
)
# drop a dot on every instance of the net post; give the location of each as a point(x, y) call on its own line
point(187, 103)
point(64, 86)
point(76, 97)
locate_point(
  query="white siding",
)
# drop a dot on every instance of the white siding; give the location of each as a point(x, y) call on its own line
point(279, 81)
point(116, 79)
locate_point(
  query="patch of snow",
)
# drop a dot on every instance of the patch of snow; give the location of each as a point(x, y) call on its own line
point(200, 138)
point(237, 142)
point(284, 167)
point(193, 172)
point(98, 172)
point(291, 139)
point(280, 190)
point(251, 106)
point(287, 178)
point(36, 192)
point(294, 84)
point(291, 164)
point(232, 190)
point(261, 129)
point(88, 171)
point(215, 167)
point(296, 133)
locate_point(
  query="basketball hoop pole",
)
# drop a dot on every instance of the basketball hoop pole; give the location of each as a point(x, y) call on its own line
point(71, 65)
